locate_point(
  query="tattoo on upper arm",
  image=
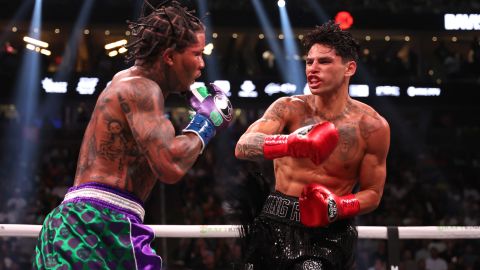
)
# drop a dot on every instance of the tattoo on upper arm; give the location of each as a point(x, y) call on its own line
point(124, 104)
point(276, 112)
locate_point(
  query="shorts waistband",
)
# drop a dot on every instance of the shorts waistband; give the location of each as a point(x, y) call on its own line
point(282, 206)
point(107, 196)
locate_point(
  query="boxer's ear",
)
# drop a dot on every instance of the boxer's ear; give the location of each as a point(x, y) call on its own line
point(350, 68)
point(168, 56)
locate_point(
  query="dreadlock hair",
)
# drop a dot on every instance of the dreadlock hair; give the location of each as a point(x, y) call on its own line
point(330, 34)
point(169, 25)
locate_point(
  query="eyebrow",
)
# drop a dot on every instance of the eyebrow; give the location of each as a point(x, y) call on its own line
point(320, 58)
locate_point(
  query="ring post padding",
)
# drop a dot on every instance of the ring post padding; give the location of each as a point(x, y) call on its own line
point(393, 245)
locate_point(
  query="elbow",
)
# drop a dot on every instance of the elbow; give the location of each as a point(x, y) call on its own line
point(172, 176)
point(171, 179)
point(375, 202)
point(238, 152)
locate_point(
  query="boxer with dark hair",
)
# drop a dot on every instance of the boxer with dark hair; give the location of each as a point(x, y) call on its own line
point(129, 144)
point(322, 146)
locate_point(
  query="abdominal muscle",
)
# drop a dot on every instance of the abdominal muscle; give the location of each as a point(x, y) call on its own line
point(292, 175)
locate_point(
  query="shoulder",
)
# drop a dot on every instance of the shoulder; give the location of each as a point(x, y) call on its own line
point(133, 88)
point(133, 83)
point(289, 105)
point(134, 92)
point(370, 121)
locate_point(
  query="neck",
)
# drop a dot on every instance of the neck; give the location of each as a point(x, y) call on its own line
point(153, 72)
point(332, 107)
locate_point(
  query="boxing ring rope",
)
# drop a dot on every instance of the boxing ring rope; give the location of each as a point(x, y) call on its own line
point(391, 233)
point(226, 231)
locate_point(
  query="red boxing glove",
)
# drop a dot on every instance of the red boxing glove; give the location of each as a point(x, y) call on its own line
point(316, 142)
point(320, 207)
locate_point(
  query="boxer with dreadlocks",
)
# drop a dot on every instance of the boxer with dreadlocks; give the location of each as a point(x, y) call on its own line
point(129, 144)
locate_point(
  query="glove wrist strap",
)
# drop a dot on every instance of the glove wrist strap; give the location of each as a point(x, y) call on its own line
point(275, 146)
point(349, 206)
point(202, 127)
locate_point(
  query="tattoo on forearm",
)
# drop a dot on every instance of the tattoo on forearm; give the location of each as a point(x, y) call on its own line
point(251, 147)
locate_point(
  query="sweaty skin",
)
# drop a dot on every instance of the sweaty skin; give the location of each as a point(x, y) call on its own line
point(360, 155)
point(129, 143)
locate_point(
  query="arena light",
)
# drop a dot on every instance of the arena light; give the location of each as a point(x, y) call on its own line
point(281, 3)
point(413, 91)
point(344, 19)
point(45, 52)
point(212, 69)
point(35, 42)
point(224, 85)
point(208, 49)
point(113, 53)
point(359, 90)
point(247, 90)
point(115, 44)
point(122, 50)
point(86, 85)
point(295, 73)
point(26, 91)
point(54, 87)
point(274, 88)
point(387, 90)
point(30, 47)
point(462, 21)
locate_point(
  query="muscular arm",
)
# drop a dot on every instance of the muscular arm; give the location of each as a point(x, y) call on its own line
point(373, 167)
point(250, 144)
point(169, 156)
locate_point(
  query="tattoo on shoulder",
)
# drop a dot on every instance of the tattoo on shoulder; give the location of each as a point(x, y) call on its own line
point(144, 101)
point(276, 112)
point(124, 104)
point(369, 125)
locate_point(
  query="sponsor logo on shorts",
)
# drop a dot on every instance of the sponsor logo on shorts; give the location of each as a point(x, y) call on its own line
point(282, 207)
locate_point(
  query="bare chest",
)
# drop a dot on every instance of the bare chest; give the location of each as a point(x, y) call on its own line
point(345, 160)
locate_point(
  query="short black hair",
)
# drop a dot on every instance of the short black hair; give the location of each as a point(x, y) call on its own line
point(170, 25)
point(331, 35)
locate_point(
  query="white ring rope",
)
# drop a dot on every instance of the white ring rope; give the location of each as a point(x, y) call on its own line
point(219, 231)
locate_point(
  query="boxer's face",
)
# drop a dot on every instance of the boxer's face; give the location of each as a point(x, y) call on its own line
point(188, 64)
point(325, 70)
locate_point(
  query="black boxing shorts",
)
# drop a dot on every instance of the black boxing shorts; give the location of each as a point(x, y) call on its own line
point(277, 240)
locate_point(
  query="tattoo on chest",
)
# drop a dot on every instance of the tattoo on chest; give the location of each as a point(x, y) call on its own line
point(348, 145)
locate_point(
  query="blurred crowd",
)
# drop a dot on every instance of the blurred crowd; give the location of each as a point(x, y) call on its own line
point(418, 60)
point(433, 168)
